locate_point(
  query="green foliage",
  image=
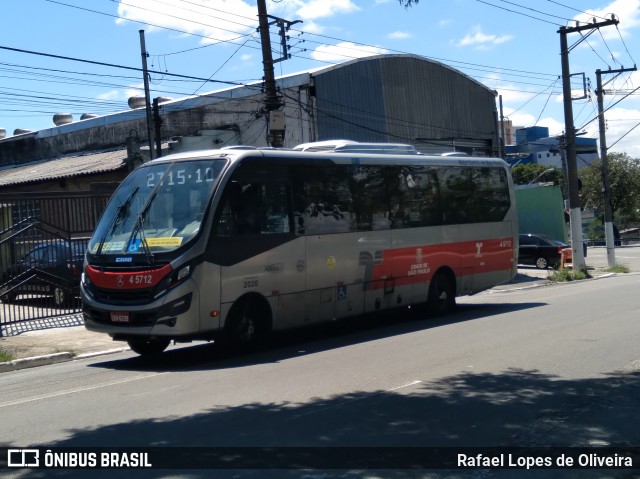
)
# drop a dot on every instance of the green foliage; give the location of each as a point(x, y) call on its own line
point(5, 356)
point(595, 230)
point(618, 268)
point(534, 173)
point(624, 186)
point(566, 274)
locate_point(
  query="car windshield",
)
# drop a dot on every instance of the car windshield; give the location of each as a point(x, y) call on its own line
point(158, 208)
point(552, 241)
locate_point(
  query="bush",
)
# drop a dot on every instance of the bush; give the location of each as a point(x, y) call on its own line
point(566, 274)
point(618, 268)
point(5, 356)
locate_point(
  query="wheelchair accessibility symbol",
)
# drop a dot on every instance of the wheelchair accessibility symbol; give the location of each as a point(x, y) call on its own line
point(342, 292)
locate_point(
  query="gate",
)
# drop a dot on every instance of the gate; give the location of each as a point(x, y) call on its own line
point(43, 238)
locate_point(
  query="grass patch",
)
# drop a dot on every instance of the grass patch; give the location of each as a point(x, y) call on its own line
point(566, 274)
point(6, 356)
point(618, 268)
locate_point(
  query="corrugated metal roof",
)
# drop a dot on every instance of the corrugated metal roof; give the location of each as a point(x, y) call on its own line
point(66, 167)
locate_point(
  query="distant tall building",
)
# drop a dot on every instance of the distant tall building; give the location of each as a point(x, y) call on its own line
point(534, 145)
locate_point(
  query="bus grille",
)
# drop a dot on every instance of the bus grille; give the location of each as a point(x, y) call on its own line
point(122, 297)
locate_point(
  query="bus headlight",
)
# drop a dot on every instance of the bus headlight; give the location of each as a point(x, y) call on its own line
point(183, 273)
point(173, 279)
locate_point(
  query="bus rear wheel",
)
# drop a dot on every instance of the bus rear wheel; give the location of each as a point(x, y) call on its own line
point(248, 325)
point(148, 346)
point(442, 294)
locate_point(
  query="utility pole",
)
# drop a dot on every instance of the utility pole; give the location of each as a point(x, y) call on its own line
point(157, 123)
point(147, 95)
point(570, 136)
point(273, 103)
point(608, 213)
point(502, 146)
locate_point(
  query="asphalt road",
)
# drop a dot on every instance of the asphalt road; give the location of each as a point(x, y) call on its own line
point(548, 366)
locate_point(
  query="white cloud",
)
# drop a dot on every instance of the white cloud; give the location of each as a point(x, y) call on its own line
point(325, 8)
point(555, 127)
point(207, 19)
point(627, 11)
point(621, 122)
point(123, 94)
point(344, 51)
point(445, 22)
point(481, 40)
point(399, 35)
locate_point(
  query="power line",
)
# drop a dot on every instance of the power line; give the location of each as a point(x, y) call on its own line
point(518, 13)
point(614, 143)
point(611, 106)
point(112, 65)
point(534, 10)
point(145, 23)
point(183, 19)
point(575, 9)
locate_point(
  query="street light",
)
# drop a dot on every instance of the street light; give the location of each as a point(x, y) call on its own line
point(540, 175)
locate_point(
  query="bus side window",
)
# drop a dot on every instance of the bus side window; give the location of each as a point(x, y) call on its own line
point(275, 198)
point(254, 208)
point(322, 202)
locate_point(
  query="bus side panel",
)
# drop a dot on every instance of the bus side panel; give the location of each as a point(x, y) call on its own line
point(343, 264)
point(207, 277)
point(492, 254)
point(275, 273)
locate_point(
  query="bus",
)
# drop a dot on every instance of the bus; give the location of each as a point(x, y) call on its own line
point(236, 243)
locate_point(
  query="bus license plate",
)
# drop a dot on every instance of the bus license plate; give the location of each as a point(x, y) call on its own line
point(119, 317)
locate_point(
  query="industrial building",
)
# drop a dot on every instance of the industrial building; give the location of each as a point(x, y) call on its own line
point(386, 98)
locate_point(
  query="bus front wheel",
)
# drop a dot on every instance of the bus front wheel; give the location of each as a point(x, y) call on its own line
point(247, 325)
point(148, 346)
point(442, 294)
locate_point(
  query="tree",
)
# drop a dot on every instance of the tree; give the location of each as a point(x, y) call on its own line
point(408, 3)
point(624, 186)
point(534, 173)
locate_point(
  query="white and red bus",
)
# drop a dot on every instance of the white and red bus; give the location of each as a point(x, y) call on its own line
point(240, 242)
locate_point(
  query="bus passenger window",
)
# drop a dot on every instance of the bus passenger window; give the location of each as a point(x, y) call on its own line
point(246, 210)
point(254, 208)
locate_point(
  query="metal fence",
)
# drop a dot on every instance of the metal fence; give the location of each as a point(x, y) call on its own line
point(42, 242)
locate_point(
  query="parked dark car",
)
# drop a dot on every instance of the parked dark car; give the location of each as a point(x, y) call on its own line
point(542, 251)
point(51, 268)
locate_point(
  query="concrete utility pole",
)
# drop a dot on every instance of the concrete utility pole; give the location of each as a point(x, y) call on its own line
point(147, 95)
point(273, 103)
point(608, 212)
point(570, 136)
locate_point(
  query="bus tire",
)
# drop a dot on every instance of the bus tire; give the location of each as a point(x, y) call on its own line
point(248, 324)
point(442, 294)
point(148, 346)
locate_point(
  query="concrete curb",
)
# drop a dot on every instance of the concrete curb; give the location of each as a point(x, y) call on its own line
point(47, 359)
point(544, 283)
point(35, 361)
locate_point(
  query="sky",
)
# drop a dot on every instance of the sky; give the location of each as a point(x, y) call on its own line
point(511, 46)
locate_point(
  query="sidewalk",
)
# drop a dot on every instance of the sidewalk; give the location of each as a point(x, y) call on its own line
point(51, 340)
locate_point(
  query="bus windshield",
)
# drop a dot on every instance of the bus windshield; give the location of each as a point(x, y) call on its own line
point(158, 208)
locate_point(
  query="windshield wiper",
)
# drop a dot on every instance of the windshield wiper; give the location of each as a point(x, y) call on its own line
point(117, 219)
point(139, 226)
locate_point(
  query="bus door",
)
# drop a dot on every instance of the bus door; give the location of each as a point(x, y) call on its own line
point(258, 248)
point(324, 214)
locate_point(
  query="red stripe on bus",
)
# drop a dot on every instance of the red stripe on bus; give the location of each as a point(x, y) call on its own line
point(418, 263)
point(128, 280)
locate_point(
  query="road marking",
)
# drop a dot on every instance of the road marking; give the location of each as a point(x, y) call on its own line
point(367, 396)
point(77, 390)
